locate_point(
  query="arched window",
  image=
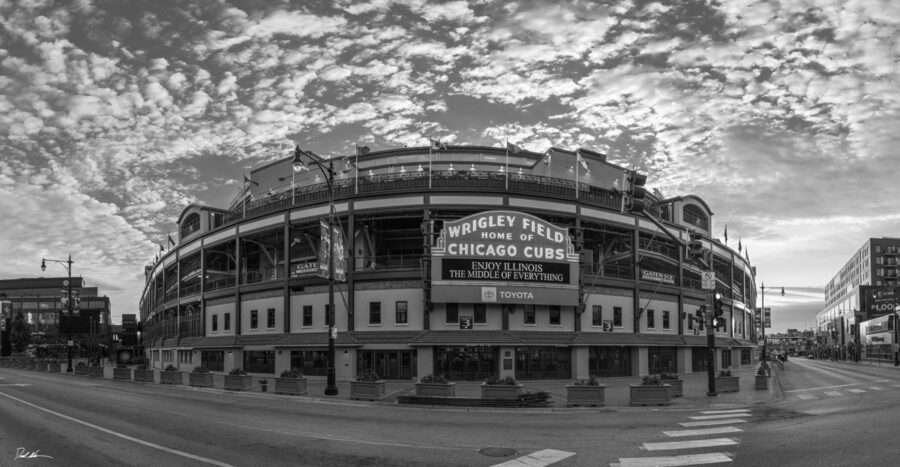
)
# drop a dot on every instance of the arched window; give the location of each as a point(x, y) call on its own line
point(190, 225)
point(695, 216)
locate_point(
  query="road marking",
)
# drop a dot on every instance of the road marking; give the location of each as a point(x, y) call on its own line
point(855, 391)
point(537, 459)
point(709, 412)
point(693, 459)
point(125, 437)
point(689, 444)
point(703, 431)
point(833, 393)
point(21, 385)
point(716, 417)
point(876, 388)
point(839, 386)
point(713, 422)
point(806, 396)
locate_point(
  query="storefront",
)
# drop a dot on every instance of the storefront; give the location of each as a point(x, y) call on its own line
point(543, 363)
point(609, 362)
point(469, 363)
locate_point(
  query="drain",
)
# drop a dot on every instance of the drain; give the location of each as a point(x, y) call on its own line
point(498, 452)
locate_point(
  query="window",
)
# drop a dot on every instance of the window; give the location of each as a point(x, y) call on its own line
point(617, 316)
point(452, 313)
point(665, 320)
point(259, 361)
point(651, 318)
point(270, 318)
point(227, 321)
point(254, 319)
point(307, 315)
point(555, 314)
point(597, 315)
point(481, 313)
point(401, 313)
point(528, 315)
point(690, 322)
point(374, 312)
point(215, 322)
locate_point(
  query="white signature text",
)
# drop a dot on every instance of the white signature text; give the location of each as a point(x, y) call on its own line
point(21, 453)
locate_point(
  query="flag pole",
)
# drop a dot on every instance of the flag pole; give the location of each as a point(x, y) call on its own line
point(577, 163)
point(507, 164)
point(356, 180)
point(430, 146)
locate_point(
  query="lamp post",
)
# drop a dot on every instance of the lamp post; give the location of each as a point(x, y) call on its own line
point(297, 165)
point(68, 265)
point(762, 317)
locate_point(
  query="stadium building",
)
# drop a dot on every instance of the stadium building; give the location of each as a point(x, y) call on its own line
point(466, 261)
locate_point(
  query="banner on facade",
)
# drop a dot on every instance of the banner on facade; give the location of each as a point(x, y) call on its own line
point(340, 265)
point(504, 257)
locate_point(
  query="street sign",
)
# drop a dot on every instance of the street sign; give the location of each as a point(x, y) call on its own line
point(709, 280)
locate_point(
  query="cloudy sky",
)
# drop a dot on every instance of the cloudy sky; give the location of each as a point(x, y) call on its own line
point(784, 116)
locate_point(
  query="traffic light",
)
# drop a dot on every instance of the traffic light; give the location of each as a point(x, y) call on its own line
point(636, 192)
point(718, 311)
point(694, 244)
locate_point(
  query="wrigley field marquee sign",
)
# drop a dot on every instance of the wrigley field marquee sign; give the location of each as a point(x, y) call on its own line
point(504, 257)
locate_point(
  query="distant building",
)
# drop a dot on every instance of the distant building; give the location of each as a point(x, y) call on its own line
point(41, 302)
point(793, 342)
point(859, 303)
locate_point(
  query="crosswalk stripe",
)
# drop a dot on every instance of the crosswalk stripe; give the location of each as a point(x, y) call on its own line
point(703, 431)
point(713, 422)
point(693, 459)
point(710, 412)
point(833, 393)
point(855, 391)
point(806, 396)
point(537, 459)
point(724, 415)
point(689, 444)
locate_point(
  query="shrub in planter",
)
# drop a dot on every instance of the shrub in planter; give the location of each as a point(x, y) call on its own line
point(367, 386)
point(170, 375)
point(291, 382)
point(82, 369)
point(761, 378)
point(727, 383)
point(122, 372)
point(651, 391)
point(435, 386)
point(54, 367)
point(672, 380)
point(200, 377)
point(500, 388)
point(143, 374)
point(586, 392)
point(238, 380)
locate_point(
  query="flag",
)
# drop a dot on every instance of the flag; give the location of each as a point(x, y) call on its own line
point(739, 245)
point(747, 253)
point(171, 242)
point(161, 247)
point(247, 182)
point(437, 145)
point(726, 234)
point(512, 148)
point(577, 159)
point(581, 160)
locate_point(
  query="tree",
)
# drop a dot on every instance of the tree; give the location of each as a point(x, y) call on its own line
point(19, 333)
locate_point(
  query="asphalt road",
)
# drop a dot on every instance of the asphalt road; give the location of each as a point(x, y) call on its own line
point(827, 414)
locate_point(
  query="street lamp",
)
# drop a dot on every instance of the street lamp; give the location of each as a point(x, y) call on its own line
point(68, 265)
point(297, 165)
point(762, 317)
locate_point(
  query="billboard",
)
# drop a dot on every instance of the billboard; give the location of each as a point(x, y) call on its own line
point(878, 301)
point(504, 257)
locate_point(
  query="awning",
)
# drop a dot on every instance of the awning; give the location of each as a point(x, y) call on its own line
point(464, 337)
point(314, 340)
point(217, 342)
point(583, 339)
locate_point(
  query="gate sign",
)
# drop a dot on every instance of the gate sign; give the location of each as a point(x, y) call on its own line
point(504, 257)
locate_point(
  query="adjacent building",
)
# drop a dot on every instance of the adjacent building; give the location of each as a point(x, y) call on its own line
point(42, 302)
point(466, 261)
point(858, 318)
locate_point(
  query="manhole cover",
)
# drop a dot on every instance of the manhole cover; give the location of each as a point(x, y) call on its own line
point(498, 452)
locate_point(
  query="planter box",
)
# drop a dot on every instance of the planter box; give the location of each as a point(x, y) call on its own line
point(201, 380)
point(171, 377)
point(499, 391)
point(292, 386)
point(54, 367)
point(677, 387)
point(122, 373)
point(370, 390)
point(40, 366)
point(82, 370)
point(238, 382)
point(728, 384)
point(143, 376)
point(436, 389)
point(650, 395)
point(762, 382)
point(585, 395)
point(95, 372)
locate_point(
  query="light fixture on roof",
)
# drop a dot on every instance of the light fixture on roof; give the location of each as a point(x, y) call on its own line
point(451, 167)
point(472, 168)
point(402, 169)
point(371, 173)
point(520, 170)
point(420, 169)
point(501, 169)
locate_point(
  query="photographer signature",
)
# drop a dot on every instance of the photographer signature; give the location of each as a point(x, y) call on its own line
point(21, 453)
